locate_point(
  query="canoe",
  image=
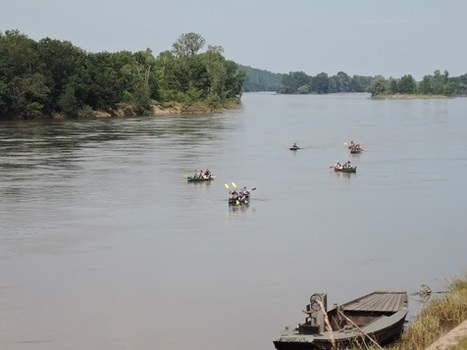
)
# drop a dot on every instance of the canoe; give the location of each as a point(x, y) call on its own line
point(294, 148)
point(234, 201)
point(199, 179)
point(377, 317)
point(346, 170)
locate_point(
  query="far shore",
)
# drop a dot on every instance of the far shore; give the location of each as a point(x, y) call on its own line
point(408, 96)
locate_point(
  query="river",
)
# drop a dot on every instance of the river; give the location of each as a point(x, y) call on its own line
point(104, 245)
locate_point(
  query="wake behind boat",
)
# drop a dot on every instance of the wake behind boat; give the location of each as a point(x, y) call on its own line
point(374, 318)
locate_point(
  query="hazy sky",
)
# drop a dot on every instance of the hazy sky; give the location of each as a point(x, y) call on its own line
point(387, 37)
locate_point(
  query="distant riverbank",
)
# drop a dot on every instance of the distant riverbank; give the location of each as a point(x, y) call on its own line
point(408, 96)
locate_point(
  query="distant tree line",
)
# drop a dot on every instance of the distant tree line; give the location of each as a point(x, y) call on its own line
point(436, 84)
point(260, 79)
point(50, 77)
point(301, 83)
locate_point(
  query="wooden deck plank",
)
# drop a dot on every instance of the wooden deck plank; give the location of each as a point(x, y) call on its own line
point(378, 301)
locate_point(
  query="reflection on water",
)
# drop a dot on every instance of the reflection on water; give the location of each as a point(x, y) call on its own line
point(101, 235)
point(240, 208)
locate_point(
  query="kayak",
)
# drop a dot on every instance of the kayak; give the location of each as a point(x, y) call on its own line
point(199, 179)
point(294, 148)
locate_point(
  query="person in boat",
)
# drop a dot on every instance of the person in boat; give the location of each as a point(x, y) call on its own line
point(347, 165)
point(294, 145)
point(234, 194)
point(351, 144)
point(195, 174)
point(338, 165)
point(244, 193)
point(207, 174)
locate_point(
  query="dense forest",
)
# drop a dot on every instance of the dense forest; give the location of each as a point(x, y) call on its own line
point(436, 84)
point(55, 78)
point(260, 79)
point(301, 83)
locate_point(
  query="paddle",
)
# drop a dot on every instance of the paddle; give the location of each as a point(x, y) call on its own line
point(234, 185)
point(227, 186)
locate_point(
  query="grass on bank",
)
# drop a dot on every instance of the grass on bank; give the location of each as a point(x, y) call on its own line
point(440, 314)
point(462, 345)
point(437, 317)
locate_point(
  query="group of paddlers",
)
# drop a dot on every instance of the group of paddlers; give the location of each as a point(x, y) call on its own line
point(346, 165)
point(240, 195)
point(206, 174)
point(354, 147)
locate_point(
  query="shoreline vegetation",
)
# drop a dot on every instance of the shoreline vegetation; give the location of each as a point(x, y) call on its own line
point(437, 85)
point(441, 323)
point(440, 314)
point(54, 79)
point(408, 97)
point(50, 78)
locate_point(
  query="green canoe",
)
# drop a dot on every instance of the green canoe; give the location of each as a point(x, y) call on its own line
point(346, 170)
point(234, 201)
point(199, 179)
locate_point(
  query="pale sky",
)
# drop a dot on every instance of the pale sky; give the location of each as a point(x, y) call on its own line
point(387, 37)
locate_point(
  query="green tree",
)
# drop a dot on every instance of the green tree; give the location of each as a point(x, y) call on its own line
point(342, 82)
point(164, 72)
point(18, 54)
point(393, 86)
point(320, 83)
point(377, 86)
point(28, 95)
point(188, 45)
point(425, 86)
point(19, 63)
point(144, 83)
point(65, 68)
point(450, 88)
point(294, 82)
point(260, 79)
point(107, 81)
point(407, 85)
point(439, 82)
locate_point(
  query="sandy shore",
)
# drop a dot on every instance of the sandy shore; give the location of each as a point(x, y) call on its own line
point(450, 339)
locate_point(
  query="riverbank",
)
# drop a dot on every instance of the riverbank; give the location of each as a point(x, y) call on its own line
point(173, 108)
point(408, 96)
point(456, 339)
point(441, 323)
